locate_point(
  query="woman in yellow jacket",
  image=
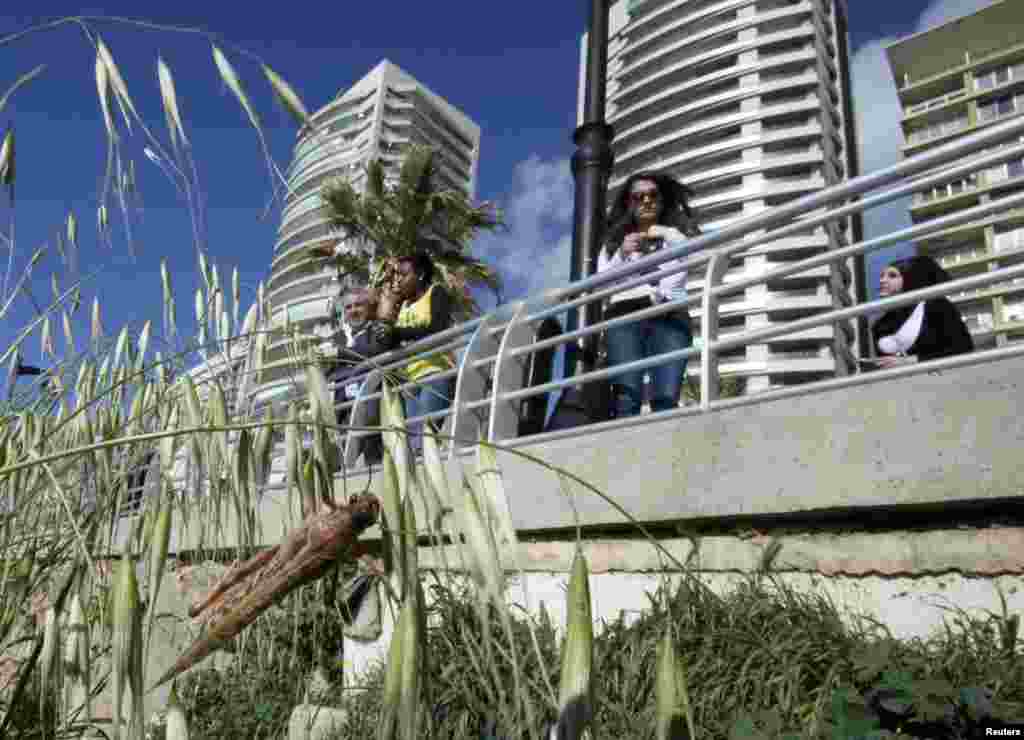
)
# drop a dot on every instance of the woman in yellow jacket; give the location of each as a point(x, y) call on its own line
point(425, 310)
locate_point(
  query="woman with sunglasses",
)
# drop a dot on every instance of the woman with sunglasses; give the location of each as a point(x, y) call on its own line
point(650, 212)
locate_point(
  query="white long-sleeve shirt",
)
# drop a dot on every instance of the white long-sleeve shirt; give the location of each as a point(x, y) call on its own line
point(666, 288)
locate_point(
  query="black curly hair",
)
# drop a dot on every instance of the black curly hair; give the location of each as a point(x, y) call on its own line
point(675, 210)
point(422, 265)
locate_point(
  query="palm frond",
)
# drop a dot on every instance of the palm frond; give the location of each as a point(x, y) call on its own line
point(343, 205)
point(413, 214)
point(418, 170)
point(375, 179)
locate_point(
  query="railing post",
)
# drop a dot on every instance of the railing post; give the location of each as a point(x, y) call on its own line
point(471, 385)
point(709, 328)
point(508, 377)
point(358, 417)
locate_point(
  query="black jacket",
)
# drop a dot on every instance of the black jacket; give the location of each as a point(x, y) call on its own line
point(943, 332)
point(366, 344)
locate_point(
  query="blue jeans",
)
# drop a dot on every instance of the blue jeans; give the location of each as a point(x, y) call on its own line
point(427, 397)
point(638, 341)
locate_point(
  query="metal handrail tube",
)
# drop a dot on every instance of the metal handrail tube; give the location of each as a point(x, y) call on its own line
point(804, 389)
point(730, 239)
point(430, 344)
point(582, 378)
point(779, 215)
point(656, 310)
point(372, 364)
point(857, 206)
point(901, 299)
point(791, 327)
point(411, 384)
point(410, 420)
point(476, 404)
point(870, 245)
point(853, 250)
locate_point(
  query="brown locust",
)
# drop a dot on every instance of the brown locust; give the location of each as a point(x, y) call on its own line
point(253, 586)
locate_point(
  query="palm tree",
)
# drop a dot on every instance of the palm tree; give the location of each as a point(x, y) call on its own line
point(395, 219)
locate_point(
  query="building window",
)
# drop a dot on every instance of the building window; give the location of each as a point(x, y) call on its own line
point(998, 76)
point(998, 107)
point(1009, 237)
point(938, 128)
point(948, 190)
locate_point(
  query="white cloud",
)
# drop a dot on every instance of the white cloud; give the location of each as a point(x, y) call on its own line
point(877, 108)
point(878, 113)
point(940, 11)
point(533, 254)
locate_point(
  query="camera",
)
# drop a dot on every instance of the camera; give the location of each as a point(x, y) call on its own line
point(651, 244)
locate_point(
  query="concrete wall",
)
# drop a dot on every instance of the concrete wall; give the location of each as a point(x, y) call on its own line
point(926, 441)
point(931, 442)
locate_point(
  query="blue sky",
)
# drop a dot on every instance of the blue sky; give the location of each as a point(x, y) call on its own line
point(512, 67)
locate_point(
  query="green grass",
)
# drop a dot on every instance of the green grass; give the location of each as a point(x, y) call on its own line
point(761, 650)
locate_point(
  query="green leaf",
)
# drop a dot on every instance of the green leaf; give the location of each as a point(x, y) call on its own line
point(743, 729)
point(872, 661)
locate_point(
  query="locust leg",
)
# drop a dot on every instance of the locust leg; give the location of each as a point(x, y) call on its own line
point(234, 576)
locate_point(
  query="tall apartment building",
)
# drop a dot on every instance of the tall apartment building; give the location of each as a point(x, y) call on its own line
point(953, 80)
point(379, 117)
point(748, 102)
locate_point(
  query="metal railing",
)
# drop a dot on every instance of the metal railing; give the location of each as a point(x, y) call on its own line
point(495, 349)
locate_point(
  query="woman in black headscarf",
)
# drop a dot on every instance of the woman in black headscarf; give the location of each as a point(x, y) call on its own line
point(921, 331)
point(651, 212)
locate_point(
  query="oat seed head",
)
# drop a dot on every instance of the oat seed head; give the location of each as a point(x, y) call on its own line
point(288, 97)
point(230, 77)
point(170, 101)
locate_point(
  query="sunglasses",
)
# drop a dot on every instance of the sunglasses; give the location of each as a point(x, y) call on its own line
point(639, 198)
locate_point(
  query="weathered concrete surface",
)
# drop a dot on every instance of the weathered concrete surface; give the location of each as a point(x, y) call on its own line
point(929, 439)
point(980, 551)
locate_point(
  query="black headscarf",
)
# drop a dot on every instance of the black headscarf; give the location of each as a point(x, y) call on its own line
point(675, 209)
point(917, 272)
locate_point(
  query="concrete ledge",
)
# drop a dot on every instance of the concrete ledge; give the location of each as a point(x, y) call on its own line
point(973, 552)
point(933, 439)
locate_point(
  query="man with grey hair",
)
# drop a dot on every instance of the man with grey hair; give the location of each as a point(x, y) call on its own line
point(357, 342)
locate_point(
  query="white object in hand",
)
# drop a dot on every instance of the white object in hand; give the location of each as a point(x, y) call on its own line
point(668, 233)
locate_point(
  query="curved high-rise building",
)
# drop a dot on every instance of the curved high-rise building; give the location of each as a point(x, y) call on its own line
point(379, 117)
point(748, 102)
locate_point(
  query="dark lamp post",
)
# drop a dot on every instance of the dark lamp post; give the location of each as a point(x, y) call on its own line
point(591, 167)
